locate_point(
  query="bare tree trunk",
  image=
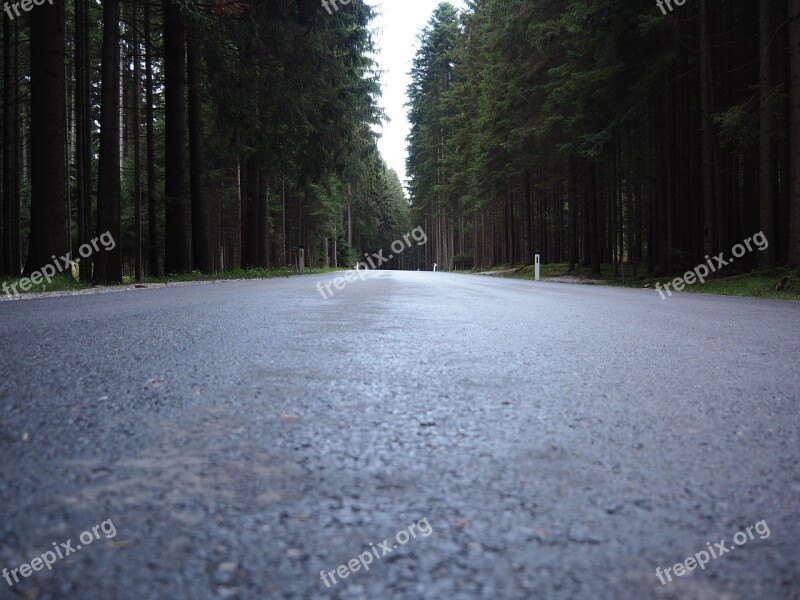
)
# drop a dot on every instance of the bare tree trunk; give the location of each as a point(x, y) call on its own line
point(137, 148)
point(11, 198)
point(349, 220)
point(335, 251)
point(766, 181)
point(706, 108)
point(109, 263)
point(572, 193)
point(153, 253)
point(178, 257)
point(631, 239)
point(594, 221)
point(242, 216)
point(83, 128)
point(252, 213)
point(48, 138)
point(122, 141)
point(200, 227)
point(794, 209)
point(263, 218)
point(283, 215)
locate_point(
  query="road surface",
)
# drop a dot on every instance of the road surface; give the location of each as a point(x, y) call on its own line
point(546, 440)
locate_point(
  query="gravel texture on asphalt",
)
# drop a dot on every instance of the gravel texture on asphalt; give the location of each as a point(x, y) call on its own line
point(562, 441)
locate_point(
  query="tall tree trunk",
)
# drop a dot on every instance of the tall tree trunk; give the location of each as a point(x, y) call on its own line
point(137, 147)
point(263, 218)
point(83, 128)
point(594, 220)
point(109, 263)
point(349, 219)
point(705, 111)
point(200, 226)
point(527, 232)
point(794, 208)
point(154, 252)
point(48, 233)
point(283, 214)
point(508, 232)
point(177, 244)
point(629, 199)
point(783, 144)
point(587, 242)
point(11, 200)
point(573, 212)
point(766, 181)
point(244, 261)
point(335, 249)
point(252, 212)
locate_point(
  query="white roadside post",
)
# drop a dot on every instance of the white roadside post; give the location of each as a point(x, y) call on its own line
point(302, 259)
point(434, 267)
point(537, 265)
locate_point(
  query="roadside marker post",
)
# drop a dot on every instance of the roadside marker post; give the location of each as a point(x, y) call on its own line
point(434, 267)
point(537, 263)
point(301, 259)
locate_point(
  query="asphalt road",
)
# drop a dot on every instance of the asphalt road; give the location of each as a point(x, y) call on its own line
point(548, 441)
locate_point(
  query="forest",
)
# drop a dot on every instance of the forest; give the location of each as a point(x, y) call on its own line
point(215, 137)
point(202, 137)
point(607, 131)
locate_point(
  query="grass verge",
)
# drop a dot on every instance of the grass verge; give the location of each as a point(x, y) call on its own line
point(64, 283)
point(781, 283)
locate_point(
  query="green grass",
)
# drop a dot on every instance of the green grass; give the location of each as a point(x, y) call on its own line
point(258, 273)
point(60, 283)
point(64, 283)
point(756, 285)
point(760, 284)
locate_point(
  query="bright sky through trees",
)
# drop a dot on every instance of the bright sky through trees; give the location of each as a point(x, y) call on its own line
point(397, 26)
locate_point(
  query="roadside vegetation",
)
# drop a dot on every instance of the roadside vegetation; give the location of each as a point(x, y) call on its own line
point(781, 283)
point(64, 283)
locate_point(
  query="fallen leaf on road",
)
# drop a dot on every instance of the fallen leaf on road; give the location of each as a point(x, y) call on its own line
point(289, 417)
point(119, 544)
point(25, 436)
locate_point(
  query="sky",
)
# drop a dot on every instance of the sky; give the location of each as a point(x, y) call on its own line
point(396, 28)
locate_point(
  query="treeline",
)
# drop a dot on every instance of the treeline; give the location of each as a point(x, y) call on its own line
point(607, 130)
point(202, 136)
